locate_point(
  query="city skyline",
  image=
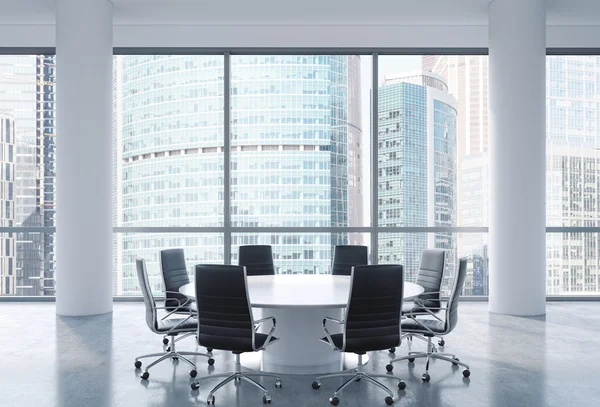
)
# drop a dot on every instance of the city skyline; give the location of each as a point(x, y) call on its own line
point(344, 200)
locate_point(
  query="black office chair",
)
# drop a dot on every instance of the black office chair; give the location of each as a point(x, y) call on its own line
point(436, 327)
point(225, 322)
point(345, 257)
point(170, 327)
point(372, 322)
point(429, 277)
point(257, 259)
point(175, 275)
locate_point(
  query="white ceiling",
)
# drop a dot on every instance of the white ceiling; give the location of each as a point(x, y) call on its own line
point(342, 12)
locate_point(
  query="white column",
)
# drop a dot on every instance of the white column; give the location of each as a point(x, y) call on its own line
point(517, 149)
point(84, 157)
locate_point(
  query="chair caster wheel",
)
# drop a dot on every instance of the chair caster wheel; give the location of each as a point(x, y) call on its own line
point(211, 361)
point(426, 377)
point(411, 360)
point(392, 350)
point(266, 399)
point(466, 373)
point(209, 350)
point(193, 373)
point(455, 364)
point(195, 386)
point(278, 384)
point(210, 400)
point(389, 367)
point(358, 379)
point(401, 385)
point(389, 401)
point(138, 364)
point(316, 385)
point(145, 376)
point(168, 349)
point(165, 341)
point(441, 342)
point(334, 400)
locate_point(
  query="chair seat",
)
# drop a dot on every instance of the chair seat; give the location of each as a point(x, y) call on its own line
point(414, 308)
point(411, 326)
point(233, 344)
point(366, 344)
point(167, 324)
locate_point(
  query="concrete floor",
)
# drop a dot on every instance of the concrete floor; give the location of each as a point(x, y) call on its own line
point(54, 361)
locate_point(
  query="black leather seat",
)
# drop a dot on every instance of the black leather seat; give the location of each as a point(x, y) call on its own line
point(258, 260)
point(171, 327)
point(431, 326)
point(225, 321)
point(347, 256)
point(372, 321)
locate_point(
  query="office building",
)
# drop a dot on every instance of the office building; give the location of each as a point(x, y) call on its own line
point(8, 276)
point(417, 167)
point(295, 154)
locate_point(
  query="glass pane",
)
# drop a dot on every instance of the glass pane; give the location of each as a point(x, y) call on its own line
point(407, 248)
point(300, 140)
point(573, 263)
point(168, 140)
point(27, 172)
point(26, 264)
point(572, 142)
point(433, 125)
point(198, 248)
point(299, 253)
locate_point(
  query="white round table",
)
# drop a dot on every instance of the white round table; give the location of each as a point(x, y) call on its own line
point(299, 302)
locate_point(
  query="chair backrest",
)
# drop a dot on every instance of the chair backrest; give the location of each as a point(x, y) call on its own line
point(452, 311)
point(345, 257)
point(430, 276)
point(142, 273)
point(257, 259)
point(174, 272)
point(374, 307)
point(224, 313)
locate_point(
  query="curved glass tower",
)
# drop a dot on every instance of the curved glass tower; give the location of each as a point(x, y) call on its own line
point(417, 168)
point(290, 135)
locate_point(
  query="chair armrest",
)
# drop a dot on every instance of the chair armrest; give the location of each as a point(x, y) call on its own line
point(178, 306)
point(269, 335)
point(328, 335)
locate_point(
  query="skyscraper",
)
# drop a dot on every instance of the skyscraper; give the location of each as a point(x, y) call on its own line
point(293, 124)
point(417, 167)
point(31, 104)
point(467, 78)
point(8, 278)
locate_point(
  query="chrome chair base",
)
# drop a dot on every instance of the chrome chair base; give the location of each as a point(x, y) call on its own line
point(171, 353)
point(237, 376)
point(356, 375)
point(431, 353)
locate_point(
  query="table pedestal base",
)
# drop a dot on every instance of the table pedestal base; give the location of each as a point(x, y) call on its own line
point(299, 350)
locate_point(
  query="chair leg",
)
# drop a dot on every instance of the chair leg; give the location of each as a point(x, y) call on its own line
point(451, 360)
point(253, 382)
point(346, 384)
point(380, 385)
point(412, 355)
point(164, 357)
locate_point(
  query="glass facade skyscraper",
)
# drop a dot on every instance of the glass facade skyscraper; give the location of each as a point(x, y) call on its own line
point(417, 167)
point(291, 133)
